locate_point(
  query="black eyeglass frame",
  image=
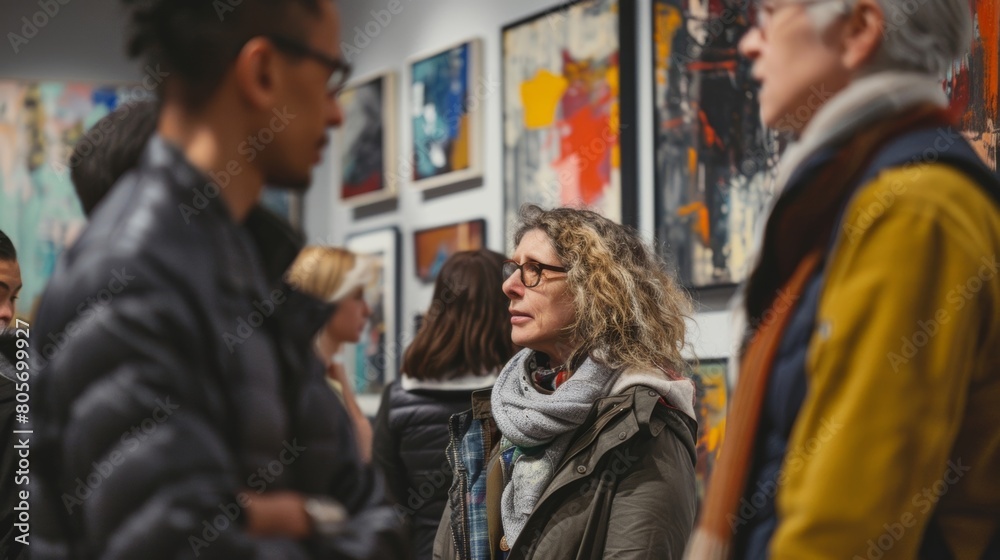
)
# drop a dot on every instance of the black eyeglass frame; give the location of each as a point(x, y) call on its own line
point(338, 67)
point(509, 266)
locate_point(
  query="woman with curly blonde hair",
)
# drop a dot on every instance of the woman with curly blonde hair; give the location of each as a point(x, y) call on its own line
point(585, 447)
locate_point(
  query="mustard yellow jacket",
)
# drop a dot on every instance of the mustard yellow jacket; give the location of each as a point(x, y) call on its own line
point(902, 416)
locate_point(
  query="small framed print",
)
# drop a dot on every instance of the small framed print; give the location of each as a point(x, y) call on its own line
point(373, 362)
point(445, 144)
point(367, 141)
point(435, 245)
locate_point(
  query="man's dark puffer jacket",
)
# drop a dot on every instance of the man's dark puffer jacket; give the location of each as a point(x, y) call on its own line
point(411, 434)
point(175, 373)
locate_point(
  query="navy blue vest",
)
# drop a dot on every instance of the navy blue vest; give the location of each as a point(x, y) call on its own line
point(787, 384)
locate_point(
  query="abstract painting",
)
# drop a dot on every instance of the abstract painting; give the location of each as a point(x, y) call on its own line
point(374, 360)
point(714, 161)
point(712, 396)
point(569, 115)
point(974, 82)
point(445, 103)
point(40, 123)
point(367, 141)
point(434, 246)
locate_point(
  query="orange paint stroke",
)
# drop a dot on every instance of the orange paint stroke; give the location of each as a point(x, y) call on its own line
point(711, 137)
point(700, 225)
point(703, 66)
point(988, 15)
point(587, 139)
point(540, 98)
point(460, 148)
point(668, 20)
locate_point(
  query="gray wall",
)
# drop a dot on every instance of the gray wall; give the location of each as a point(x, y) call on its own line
point(83, 41)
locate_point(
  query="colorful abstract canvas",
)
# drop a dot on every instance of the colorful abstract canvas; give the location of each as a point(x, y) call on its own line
point(40, 123)
point(712, 395)
point(434, 246)
point(568, 115)
point(374, 360)
point(444, 115)
point(366, 142)
point(714, 161)
point(974, 82)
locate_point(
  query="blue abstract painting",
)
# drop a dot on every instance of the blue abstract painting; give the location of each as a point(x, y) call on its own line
point(444, 116)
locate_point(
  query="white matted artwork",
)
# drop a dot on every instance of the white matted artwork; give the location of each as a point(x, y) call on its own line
point(367, 140)
point(374, 360)
point(445, 115)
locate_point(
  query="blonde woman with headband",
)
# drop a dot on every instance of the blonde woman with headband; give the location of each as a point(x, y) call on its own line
point(338, 276)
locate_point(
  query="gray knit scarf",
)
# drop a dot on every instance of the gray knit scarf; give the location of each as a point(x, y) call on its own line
point(541, 426)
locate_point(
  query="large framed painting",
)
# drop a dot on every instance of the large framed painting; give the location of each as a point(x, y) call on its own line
point(40, 124)
point(445, 115)
point(569, 114)
point(714, 161)
point(974, 82)
point(374, 360)
point(367, 141)
point(433, 246)
point(712, 396)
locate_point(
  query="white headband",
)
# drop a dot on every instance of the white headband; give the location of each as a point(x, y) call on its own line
point(358, 277)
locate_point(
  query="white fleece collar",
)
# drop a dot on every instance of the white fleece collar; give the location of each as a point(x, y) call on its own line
point(469, 382)
point(679, 393)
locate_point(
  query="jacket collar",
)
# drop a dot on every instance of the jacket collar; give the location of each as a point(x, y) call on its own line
point(276, 241)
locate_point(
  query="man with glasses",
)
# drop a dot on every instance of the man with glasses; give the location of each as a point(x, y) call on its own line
point(179, 411)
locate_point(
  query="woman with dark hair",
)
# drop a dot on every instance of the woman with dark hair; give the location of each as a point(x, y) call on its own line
point(462, 343)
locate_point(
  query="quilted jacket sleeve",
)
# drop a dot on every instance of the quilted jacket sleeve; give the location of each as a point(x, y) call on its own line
point(132, 457)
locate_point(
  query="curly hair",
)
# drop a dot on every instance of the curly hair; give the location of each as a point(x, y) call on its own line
point(629, 310)
point(196, 41)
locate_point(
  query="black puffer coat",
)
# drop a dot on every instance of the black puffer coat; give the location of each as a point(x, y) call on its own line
point(411, 433)
point(176, 380)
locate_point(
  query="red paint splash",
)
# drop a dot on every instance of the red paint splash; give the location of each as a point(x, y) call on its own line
point(586, 139)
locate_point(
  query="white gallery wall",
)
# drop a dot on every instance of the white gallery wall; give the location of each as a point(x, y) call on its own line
point(84, 41)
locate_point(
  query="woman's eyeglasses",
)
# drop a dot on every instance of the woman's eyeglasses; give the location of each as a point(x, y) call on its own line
point(531, 271)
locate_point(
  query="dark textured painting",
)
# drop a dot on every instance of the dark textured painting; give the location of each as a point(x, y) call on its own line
point(714, 160)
